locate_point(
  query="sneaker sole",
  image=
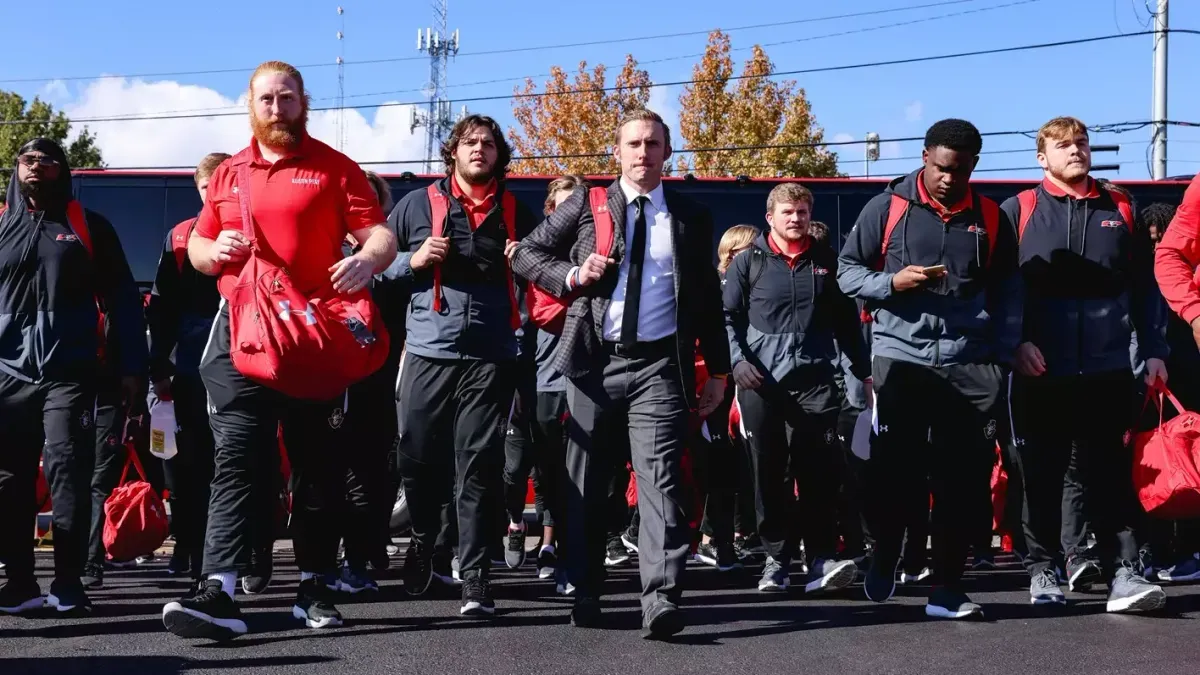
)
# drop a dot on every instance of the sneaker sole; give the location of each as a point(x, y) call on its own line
point(546, 572)
point(613, 562)
point(867, 592)
point(1146, 601)
point(773, 588)
point(352, 590)
point(249, 590)
point(730, 568)
point(327, 622)
point(628, 544)
point(1047, 600)
point(53, 601)
point(188, 623)
point(937, 612)
point(1083, 579)
point(707, 560)
point(476, 609)
point(27, 606)
point(514, 563)
point(840, 578)
point(1164, 576)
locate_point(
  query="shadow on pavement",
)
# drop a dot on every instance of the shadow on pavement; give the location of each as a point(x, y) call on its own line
point(146, 665)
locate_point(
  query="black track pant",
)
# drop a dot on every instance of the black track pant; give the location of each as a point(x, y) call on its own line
point(717, 470)
point(939, 423)
point(371, 419)
point(851, 524)
point(59, 415)
point(535, 442)
point(807, 403)
point(1070, 432)
point(245, 418)
point(454, 415)
point(189, 473)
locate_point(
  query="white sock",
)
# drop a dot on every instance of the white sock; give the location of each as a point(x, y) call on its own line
point(305, 576)
point(228, 581)
point(547, 547)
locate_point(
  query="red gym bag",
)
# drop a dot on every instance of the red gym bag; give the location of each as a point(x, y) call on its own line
point(1166, 462)
point(135, 521)
point(306, 346)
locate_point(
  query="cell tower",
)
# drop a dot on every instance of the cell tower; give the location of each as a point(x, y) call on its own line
point(440, 45)
point(340, 119)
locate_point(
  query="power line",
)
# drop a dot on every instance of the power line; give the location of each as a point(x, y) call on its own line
point(511, 50)
point(733, 78)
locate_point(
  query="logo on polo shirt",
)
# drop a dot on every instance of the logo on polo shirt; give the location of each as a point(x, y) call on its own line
point(306, 181)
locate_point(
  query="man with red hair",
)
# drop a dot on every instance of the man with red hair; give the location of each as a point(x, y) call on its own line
point(304, 197)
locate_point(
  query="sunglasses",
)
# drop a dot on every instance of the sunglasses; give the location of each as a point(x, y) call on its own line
point(34, 160)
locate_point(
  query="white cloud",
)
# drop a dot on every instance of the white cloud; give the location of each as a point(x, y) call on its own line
point(843, 138)
point(913, 112)
point(665, 102)
point(183, 142)
point(54, 91)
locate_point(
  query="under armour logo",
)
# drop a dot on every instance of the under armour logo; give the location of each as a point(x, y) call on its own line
point(883, 428)
point(235, 190)
point(1019, 441)
point(286, 312)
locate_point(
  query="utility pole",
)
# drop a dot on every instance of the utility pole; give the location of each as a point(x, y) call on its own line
point(440, 44)
point(1159, 113)
point(870, 152)
point(341, 97)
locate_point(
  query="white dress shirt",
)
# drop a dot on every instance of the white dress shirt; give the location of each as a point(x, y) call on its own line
point(656, 314)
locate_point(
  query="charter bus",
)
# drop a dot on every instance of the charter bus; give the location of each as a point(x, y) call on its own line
point(144, 205)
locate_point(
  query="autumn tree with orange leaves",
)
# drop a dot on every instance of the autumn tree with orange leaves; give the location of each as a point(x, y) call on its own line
point(574, 117)
point(771, 120)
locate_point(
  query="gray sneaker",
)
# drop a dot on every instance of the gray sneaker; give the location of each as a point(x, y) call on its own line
point(1044, 590)
point(775, 578)
point(831, 575)
point(1130, 592)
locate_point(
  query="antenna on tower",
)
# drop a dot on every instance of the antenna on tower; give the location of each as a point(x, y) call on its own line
point(340, 119)
point(438, 118)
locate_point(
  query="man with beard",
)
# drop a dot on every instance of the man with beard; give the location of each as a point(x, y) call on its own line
point(628, 352)
point(59, 264)
point(455, 392)
point(303, 199)
point(1089, 286)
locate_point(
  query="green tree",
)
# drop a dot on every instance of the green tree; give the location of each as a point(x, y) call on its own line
point(40, 120)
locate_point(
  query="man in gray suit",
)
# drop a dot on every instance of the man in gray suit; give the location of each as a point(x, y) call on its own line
point(628, 351)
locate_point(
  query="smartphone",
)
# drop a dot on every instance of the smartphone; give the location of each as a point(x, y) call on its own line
point(934, 271)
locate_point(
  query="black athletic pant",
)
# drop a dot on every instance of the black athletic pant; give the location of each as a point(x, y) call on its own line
point(371, 420)
point(1076, 423)
point(716, 471)
point(189, 473)
point(455, 413)
point(60, 416)
point(536, 442)
point(935, 429)
point(245, 418)
point(851, 523)
point(806, 402)
point(111, 455)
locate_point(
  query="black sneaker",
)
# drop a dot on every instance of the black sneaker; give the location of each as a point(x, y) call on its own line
point(17, 598)
point(1044, 590)
point(719, 555)
point(706, 553)
point(586, 612)
point(445, 568)
point(514, 552)
point(209, 614)
point(354, 581)
point(630, 539)
point(880, 582)
point(947, 604)
point(1082, 573)
point(93, 576)
point(617, 553)
point(476, 596)
point(144, 559)
point(831, 575)
point(775, 578)
point(547, 562)
point(1130, 592)
point(314, 605)
point(418, 570)
point(262, 565)
point(68, 597)
point(180, 564)
point(197, 587)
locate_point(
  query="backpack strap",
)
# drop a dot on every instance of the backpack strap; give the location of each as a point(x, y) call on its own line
point(1123, 206)
point(1027, 202)
point(508, 208)
point(990, 211)
point(439, 208)
point(179, 241)
point(897, 207)
point(78, 222)
point(605, 234)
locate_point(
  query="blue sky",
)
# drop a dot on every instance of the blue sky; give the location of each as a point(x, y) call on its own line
point(1102, 82)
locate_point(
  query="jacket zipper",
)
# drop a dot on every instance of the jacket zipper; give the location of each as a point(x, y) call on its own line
point(937, 324)
point(1078, 302)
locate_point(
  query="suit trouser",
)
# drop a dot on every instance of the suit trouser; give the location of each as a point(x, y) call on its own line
point(189, 473)
point(455, 414)
point(643, 387)
point(111, 455)
point(245, 418)
point(939, 423)
point(1076, 425)
point(807, 402)
point(371, 422)
point(58, 416)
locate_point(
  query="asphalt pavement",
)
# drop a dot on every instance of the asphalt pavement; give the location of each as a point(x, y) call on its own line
point(731, 629)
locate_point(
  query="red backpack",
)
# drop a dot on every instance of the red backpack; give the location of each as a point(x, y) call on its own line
point(439, 211)
point(549, 312)
point(1027, 202)
point(179, 241)
point(306, 345)
point(135, 520)
point(1166, 461)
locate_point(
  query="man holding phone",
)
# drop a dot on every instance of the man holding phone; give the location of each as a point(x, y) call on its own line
point(936, 265)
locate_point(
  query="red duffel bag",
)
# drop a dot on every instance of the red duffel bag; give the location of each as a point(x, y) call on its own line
point(1166, 462)
point(135, 521)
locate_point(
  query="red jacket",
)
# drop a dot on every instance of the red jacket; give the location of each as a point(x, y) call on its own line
point(1178, 255)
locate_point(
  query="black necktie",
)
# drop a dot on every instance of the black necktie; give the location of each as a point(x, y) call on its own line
point(633, 290)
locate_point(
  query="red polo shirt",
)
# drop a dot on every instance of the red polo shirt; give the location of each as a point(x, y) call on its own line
point(963, 204)
point(801, 247)
point(476, 210)
point(304, 205)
